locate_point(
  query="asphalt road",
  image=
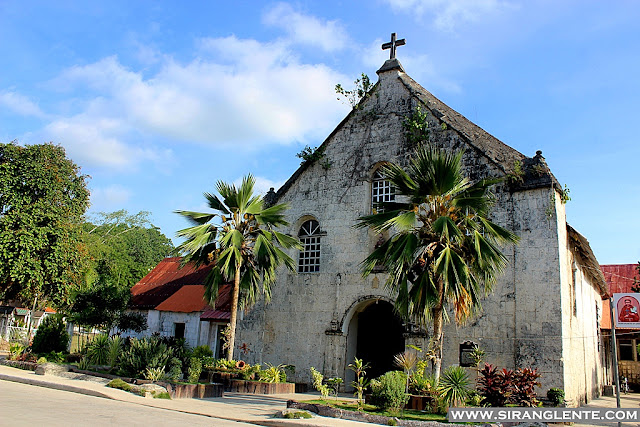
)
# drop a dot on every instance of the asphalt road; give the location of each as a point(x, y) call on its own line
point(27, 405)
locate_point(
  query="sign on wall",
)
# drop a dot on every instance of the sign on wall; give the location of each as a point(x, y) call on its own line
point(626, 310)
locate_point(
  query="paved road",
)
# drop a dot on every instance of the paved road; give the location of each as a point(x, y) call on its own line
point(26, 405)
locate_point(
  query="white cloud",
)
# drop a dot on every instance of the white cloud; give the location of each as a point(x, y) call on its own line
point(447, 14)
point(330, 36)
point(21, 104)
point(237, 92)
point(111, 197)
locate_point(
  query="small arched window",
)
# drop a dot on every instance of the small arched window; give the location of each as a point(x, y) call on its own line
point(309, 235)
point(381, 191)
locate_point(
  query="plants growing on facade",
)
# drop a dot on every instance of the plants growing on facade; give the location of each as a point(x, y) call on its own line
point(361, 91)
point(316, 154)
point(416, 127)
point(445, 250)
point(239, 236)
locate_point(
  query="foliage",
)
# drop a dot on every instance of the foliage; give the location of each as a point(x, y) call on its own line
point(474, 398)
point(51, 335)
point(477, 355)
point(516, 176)
point(361, 91)
point(454, 386)
point(361, 382)
point(154, 374)
point(506, 386)
point(416, 127)
point(131, 321)
point(195, 369)
point(494, 386)
point(524, 383)
point(273, 374)
point(311, 155)
point(116, 345)
point(160, 395)
point(98, 350)
point(175, 369)
point(297, 415)
point(202, 351)
point(122, 247)
point(119, 384)
point(15, 350)
point(99, 306)
point(388, 391)
point(42, 199)
point(41, 360)
point(445, 250)
point(636, 284)
point(564, 195)
point(420, 382)
point(556, 396)
point(240, 237)
point(334, 384)
point(317, 379)
point(84, 364)
point(143, 354)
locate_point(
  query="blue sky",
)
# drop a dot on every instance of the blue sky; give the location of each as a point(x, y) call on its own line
point(157, 100)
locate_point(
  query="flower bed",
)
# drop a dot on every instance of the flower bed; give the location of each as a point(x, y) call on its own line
point(194, 391)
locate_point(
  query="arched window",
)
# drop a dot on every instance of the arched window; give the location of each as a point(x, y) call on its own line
point(381, 191)
point(309, 235)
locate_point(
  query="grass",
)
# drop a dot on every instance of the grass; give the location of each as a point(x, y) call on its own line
point(407, 414)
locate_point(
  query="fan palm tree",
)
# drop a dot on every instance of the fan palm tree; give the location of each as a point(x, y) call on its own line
point(240, 238)
point(443, 249)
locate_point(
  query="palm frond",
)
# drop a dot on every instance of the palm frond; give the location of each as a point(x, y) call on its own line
point(196, 217)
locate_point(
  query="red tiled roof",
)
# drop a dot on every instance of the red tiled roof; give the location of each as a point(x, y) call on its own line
point(186, 300)
point(164, 281)
point(619, 279)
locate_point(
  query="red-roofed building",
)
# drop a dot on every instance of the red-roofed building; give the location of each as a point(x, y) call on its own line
point(620, 279)
point(172, 297)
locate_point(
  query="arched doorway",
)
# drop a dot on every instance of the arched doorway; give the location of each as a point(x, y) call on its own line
point(375, 335)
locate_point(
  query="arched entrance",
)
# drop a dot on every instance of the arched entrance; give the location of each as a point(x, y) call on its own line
point(375, 335)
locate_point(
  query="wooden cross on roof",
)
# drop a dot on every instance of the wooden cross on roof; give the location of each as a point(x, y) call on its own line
point(392, 45)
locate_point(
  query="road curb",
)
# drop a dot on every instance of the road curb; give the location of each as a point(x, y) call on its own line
point(56, 386)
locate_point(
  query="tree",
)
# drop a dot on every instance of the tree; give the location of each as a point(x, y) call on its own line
point(42, 199)
point(445, 250)
point(123, 248)
point(240, 238)
point(103, 306)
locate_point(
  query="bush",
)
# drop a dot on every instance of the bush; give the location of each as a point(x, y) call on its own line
point(51, 335)
point(524, 383)
point(317, 378)
point(116, 343)
point(98, 350)
point(55, 357)
point(143, 354)
point(297, 415)
point(273, 374)
point(202, 351)
point(119, 384)
point(175, 369)
point(506, 386)
point(556, 396)
point(195, 369)
point(454, 386)
point(15, 350)
point(388, 391)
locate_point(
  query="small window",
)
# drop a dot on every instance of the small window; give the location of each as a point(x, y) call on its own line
point(178, 331)
point(309, 235)
point(381, 191)
point(626, 349)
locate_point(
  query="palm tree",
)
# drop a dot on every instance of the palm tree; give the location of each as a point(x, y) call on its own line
point(443, 249)
point(240, 238)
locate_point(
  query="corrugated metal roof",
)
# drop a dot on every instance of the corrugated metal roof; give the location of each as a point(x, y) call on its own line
point(222, 311)
point(164, 281)
point(619, 279)
point(186, 300)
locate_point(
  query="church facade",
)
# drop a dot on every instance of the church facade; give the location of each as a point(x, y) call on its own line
point(545, 309)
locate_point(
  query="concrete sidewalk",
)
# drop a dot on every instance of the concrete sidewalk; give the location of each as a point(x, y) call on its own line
point(248, 408)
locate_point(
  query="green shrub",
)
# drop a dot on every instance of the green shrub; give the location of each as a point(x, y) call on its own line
point(154, 374)
point(273, 374)
point(15, 350)
point(388, 391)
point(41, 360)
point(175, 369)
point(116, 343)
point(317, 378)
point(161, 395)
point(143, 354)
point(297, 415)
point(195, 369)
point(51, 335)
point(98, 350)
point(202, 351)
point(119, 384)
point(454, 386)
point(55, 357)
point(556, 396)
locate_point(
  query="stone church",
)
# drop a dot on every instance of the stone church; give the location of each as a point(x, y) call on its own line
point(544, 311)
